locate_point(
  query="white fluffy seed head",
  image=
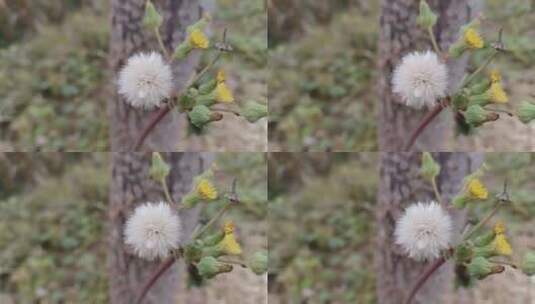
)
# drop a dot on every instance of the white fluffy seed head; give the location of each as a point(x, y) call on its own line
point(420, 79)
point(423, 231)
point(153, 230)
point(146, 80)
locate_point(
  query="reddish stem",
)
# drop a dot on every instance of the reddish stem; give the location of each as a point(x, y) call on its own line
point(425, 122)
point(153, 122)
point(423, 278)
point(161, 269)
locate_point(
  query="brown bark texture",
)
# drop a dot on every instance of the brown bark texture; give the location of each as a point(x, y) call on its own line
point(131, 186)
point(400, 35)
point(128, 36)
point(400, 186)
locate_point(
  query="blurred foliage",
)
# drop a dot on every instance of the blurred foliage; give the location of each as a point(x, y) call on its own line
point(321, 224)
point(51, 227)
point(51, 85)
point(320, 96)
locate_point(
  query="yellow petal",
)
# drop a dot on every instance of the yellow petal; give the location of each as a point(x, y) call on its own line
point(223, 93)
point(228, 244)
point(473, 39)
point(206, 190)
point(221, 77)
point(198, 39)
point(497, 94)
point(495, 76)
point(502, 245)
point(477, 189)
point(228, 227)
point(499, 227)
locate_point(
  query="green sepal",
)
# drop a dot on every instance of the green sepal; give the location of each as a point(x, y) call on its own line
point(253, 111)
point(463, 253)
point(208, 87)
point(429, 168)
point(182, 50)
point(209, 267)
point(159, 169)
point(193, 253)
point(258, 263)
point(152, 19)
point(207, 100)
point(214, 239)
point(190, 200)
point(426, 18)
point(485, 251)
point(213, 251)
point(199, 116)
point(528, 263)
point(526, 112)
point(459, 201)
point(485, 239)
point(480, 268)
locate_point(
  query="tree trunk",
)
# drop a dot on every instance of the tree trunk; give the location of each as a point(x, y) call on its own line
point(131, 186)
point(400, 186)
point(129, 37)
point(400, 35)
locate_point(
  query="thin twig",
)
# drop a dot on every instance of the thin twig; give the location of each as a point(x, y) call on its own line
point(425, 122)
point(155, 276)
point(469, 79)
point(162, 46)
point(213, 220)
point(423, 278)
point(166, 192)
point(483, 222)
point(435, 189)
point(150, 126)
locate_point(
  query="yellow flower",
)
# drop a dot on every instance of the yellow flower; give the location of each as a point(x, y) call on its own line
point(206, 190)
point(473, 39)
point(502, 245)
point(223, 93)
point(228, 244)
point(499, 228)
point(198, 40)
point(497, 94)
point(221, 77)
point(495, 76)
point(476, 189)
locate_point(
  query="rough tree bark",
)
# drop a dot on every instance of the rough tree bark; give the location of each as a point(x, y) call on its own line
point(400, 35)
point(131, 186)
point(401, 185)
point(128, 37)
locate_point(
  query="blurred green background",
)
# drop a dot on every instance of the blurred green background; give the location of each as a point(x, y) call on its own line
point(321, 227)
point(53, 239)
point(54, 77)
point(322, 81)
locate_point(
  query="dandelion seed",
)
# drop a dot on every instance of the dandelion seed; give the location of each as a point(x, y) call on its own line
point(146, 80)
point(420, 79)
point(153, 230)
point(424, 231)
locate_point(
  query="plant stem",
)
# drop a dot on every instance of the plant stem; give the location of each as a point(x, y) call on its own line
point(423, 278)
point(469, 79)
point(160, 42)
point(434, 40)
point(483, 222)
point(161, 269)
point(166, 192)
point(437, 193)
point(425, 122)
point(212, 221)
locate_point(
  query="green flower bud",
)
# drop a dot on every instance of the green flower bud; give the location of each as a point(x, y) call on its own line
point(182, 50)
point(192, 253)
point(214, 239)
point(208, 87)
point(526, 112)
point(159, 169)
point(258, 263)
point(480, 87)
point(459, 201)
point(209, 267)
point(190, 200)
point(187, 102)
point(463, 253)
point(460, 101)
point(481, 268)
point(201, 115)
point(429, 168)
point(253, 111)
point(427, 18)
point(485, 239)
point(212, 251)
point(152, 19)
point(207, 99)
point(528, 263)
point(485, 251)
point(476, 116)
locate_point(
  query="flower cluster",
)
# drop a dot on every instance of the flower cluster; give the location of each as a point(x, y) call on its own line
point(421, 79)
point(154, 230)
point(146, 80)
point(424, 232)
